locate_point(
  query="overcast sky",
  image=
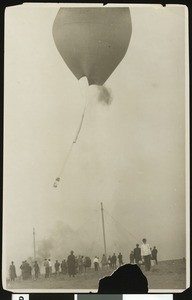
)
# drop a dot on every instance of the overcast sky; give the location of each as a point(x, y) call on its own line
point(129, 155)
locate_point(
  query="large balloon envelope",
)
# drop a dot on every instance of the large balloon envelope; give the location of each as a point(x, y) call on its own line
point(92, 41)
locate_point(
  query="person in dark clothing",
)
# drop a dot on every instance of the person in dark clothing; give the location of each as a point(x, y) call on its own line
point(46, 265)
point(25, 270)
point(154, 254)
point(109, 262)
point(137, 254)
point(131, 257)
point(36, 269)
point(71, 264)
point(64, 267)
point(57, 265)
point(120, 258)
point(29, 271)
point(114, 261)
point(12, 271)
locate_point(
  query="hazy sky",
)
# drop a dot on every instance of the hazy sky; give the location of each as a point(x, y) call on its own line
point(129, 155)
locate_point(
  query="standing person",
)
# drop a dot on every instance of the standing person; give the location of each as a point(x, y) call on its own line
point(80, 264)
point(86, 263)
point(103, 261)
point(50, 267)
point(146, 254)
point(29, 271)
point(137, 254)
point(12, 271)
point(22, 270)
point(109, 262)
point(120, 258)
point(57, 265)
point(64, 267)
point(26, 270)
point(131, 257)
point(46, 265)
point(36, 269)
point(96, 263)
point(71, 264)
point(154, 254)
point(114, 261)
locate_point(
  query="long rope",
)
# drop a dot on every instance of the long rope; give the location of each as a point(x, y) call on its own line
point(58, 178)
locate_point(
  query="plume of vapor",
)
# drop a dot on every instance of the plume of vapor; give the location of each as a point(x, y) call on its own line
point(45, 247)
point(61, 240)
point(104, 95)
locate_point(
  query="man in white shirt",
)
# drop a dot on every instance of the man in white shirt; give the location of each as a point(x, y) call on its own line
point(96, 263)
point(146, 254)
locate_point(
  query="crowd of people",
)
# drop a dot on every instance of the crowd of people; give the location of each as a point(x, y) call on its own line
point(72, 265)
point(110, 262)
point(144, 255)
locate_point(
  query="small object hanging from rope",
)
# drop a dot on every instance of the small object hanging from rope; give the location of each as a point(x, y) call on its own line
point(84, 85)
point(56, 182)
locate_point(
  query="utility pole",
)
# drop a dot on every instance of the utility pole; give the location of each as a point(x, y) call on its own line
point(103, 226)
point(34, 244)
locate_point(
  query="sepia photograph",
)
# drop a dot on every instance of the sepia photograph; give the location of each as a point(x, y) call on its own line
point(96, 148)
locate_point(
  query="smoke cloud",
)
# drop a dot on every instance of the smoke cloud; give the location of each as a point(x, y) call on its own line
point(61, 240)
point(104, 95)
point(45, 247)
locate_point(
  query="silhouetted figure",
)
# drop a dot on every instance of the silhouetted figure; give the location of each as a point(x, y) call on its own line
point(71, 264)
point(146, 254)
point(25, 270)
point(46, 265)
point(126, 279)
point(57, 265)
point(29, 271)
point(12, 271)
point(36, 269)
point(154, 254)
point(120, 258)
point(131, 257)
point(64, 267)
point(114, 261)
point(50, 267)
point(137, 254)
point(109, 262)
point(22, 270)
point(103, 261)
point(80, 264)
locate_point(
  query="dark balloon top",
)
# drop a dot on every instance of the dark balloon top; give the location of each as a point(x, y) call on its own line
point(92, 41)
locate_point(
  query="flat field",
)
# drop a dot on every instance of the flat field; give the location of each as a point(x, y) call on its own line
point(166, 275)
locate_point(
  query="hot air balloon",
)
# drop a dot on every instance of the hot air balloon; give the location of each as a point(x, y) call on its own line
point(92, 41)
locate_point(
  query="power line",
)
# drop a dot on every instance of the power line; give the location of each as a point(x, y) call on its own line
point(117, 222)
